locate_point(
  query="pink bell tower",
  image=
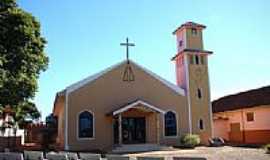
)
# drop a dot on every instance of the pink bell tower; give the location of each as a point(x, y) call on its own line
point(191, 64)
point(189, 40)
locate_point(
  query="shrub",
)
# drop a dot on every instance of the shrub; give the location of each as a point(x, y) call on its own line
point(190, 140)
point(267, 148)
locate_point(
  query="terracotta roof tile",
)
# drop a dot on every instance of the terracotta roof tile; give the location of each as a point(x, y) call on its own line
point(247, 99)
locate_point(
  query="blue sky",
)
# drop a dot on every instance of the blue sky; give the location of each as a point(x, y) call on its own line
point(84, 36)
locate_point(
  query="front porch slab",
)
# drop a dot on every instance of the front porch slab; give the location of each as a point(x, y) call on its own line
point(133, 148)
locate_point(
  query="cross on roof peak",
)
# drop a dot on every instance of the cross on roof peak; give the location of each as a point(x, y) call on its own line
point(127, 44)
point(128, 73)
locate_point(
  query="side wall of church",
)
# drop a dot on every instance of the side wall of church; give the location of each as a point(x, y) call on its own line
point(59, 112)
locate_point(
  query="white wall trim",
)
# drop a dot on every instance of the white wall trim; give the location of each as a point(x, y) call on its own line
point(77, 126)
point(209, 99)
point(177, 125)
point(134, 105)
point(66, 121)
point(188, 92)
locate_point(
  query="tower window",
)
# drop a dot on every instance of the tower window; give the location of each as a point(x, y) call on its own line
point(199, 93)
point(202, 59)
point(180, 43)
point(201, 126)
point(197, 60)
point(191, 61)
point(194, 31)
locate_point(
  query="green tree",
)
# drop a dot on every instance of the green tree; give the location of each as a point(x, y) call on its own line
point(22, 57)
point(25, 112)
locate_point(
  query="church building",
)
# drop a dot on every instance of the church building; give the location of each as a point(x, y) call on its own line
point(128, 104)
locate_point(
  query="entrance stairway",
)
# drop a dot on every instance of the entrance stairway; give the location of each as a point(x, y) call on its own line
point(131, 148)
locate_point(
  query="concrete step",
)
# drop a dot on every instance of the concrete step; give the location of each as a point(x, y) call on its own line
point(131, 148)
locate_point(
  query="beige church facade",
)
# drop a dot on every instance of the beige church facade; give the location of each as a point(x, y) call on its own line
point(103, 111)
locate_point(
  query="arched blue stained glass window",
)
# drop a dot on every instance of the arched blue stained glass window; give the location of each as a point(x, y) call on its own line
point(86, 125)
point(170, 124)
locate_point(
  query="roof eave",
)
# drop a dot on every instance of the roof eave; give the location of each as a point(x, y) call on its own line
point(133, 105)
point(192, 51)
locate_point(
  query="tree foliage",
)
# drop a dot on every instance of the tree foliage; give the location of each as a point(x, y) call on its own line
point(24, 113)
point(22, 57)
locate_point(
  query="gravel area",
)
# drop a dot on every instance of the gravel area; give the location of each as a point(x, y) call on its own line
point(212, 153)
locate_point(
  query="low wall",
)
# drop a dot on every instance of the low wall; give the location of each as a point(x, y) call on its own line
point(252, 136)
point(10, 142)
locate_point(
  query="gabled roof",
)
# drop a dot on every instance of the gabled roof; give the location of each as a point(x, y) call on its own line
point(167, 83)
point(135, 104)
point(91, 78)
point(247, 99)
point(94, 77)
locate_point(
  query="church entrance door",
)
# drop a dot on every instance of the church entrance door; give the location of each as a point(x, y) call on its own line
point(133, 130)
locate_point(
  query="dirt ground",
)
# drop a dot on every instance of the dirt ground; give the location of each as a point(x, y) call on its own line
point(212, 153)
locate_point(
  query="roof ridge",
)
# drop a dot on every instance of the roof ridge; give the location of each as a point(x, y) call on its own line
point(95, 76)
